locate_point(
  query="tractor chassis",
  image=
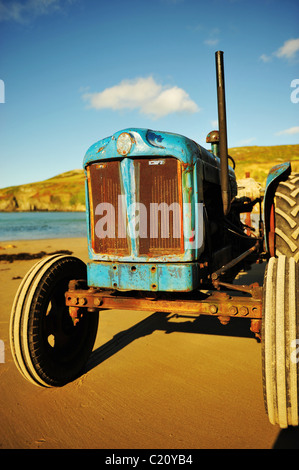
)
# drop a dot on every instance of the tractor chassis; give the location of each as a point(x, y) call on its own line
point(220, 304)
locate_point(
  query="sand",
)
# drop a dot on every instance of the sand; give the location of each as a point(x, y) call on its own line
point(153, 382)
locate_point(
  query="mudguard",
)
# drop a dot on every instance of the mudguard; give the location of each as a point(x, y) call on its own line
point(276, 174)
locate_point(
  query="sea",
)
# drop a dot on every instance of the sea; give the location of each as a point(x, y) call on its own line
point(41, 225)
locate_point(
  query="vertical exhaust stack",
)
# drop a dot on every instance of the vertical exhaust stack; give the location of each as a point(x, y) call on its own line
point(224, 178)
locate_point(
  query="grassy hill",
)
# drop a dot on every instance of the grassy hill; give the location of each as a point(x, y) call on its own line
point(66, 192)
point(258, 160)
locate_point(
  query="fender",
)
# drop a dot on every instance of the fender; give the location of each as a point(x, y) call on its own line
point(276, 174)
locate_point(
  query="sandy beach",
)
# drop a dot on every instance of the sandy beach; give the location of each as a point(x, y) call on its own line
point(153, 381)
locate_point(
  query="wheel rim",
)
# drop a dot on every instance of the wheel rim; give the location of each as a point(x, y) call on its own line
point(57, 326)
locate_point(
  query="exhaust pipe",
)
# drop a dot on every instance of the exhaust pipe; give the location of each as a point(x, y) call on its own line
point(224, 178)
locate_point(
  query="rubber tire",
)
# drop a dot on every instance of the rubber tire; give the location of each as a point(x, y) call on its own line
point(280, 343)
point(38, 361)
point(287, 217)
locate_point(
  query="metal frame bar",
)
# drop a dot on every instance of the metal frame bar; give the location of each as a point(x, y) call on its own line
point(216, 303)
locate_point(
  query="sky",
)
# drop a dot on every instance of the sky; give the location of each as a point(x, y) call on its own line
point(73, 72)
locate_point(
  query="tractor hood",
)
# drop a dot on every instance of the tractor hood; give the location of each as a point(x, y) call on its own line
point(134, 142)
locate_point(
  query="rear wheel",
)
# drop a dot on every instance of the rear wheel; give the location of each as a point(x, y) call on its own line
point(280, 341)
point(287, 217)
point(48, 349)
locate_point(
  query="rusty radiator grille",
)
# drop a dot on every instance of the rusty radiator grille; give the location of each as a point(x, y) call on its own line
point(160, 184)
point(107, 231)
point(158, 189)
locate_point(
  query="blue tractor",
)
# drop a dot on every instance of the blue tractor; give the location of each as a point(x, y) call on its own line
point(165, 234)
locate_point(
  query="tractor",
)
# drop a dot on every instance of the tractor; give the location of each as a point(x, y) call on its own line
point(165, 234)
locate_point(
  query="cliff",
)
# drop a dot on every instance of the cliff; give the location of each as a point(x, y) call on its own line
point(65, 192)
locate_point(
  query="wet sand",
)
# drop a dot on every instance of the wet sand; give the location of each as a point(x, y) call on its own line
point(154, 381)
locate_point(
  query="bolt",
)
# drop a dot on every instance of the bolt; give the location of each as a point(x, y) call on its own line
point(244, 311)
point(233, 310)
point(213, 309)
point(97, 302)
point(82, 301)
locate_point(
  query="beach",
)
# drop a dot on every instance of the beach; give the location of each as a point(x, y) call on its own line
point(153, 381)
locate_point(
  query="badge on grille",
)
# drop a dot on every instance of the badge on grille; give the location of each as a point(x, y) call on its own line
point(156, 162)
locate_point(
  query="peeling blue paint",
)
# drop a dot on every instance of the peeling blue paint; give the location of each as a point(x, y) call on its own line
point(155, 139)
point(180, 277)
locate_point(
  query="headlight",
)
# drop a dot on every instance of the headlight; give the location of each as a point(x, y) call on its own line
point(124, 143)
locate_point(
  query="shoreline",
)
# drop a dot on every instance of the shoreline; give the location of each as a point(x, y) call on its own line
point(34, 249)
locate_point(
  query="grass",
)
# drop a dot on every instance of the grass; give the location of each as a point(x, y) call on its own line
point(259, 160)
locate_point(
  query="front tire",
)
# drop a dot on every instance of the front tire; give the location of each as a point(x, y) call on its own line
point(46, 346)
point(280, 341)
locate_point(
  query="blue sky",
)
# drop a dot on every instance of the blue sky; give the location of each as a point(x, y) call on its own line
point(76, 71)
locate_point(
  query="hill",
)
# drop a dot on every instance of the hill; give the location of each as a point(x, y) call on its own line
point(66, 191)
point(259, 160)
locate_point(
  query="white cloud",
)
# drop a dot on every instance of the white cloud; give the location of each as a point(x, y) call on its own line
point(23, 11)
point(211, 42)
point(289, 49)
point(170, 101)
point(129, 94)
point(265, 58)
point(291, 130)
point(144, 94)
point(213, 37)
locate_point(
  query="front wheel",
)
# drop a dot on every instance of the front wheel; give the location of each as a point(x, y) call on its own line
point(280, 341)
point(48, 349)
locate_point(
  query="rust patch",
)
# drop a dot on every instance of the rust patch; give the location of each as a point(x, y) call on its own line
point(216, 304)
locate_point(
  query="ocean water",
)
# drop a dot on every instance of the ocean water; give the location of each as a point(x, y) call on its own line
point(41, 225)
